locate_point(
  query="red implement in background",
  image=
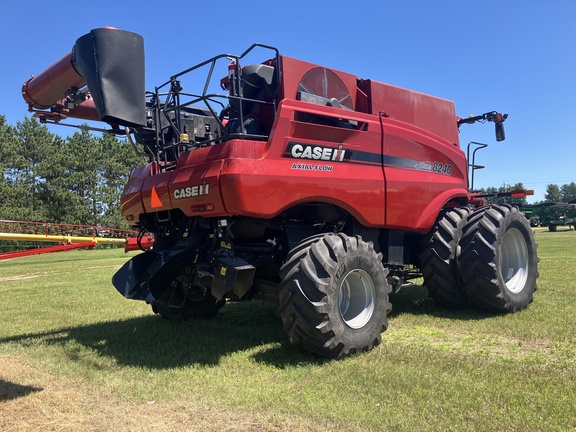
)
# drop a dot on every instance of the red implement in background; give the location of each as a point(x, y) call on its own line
point(67, 236)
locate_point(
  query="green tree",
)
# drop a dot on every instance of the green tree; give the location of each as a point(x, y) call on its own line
point(120, 161)
point(518, 201)
point(78, 180)
point(553, 193)
point(8, 153)
point(568, 192)
point(54, 190)
point(32, 143)
point(87, 186)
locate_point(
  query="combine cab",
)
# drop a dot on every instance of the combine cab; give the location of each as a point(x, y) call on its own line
point(283, 180)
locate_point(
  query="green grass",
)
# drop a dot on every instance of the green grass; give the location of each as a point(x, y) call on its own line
point(436, 369)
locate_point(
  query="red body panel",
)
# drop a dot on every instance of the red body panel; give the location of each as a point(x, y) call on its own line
point(416, 190)
point(266, 187)
point(435, 115)
point(131, 200)
point(394, 163)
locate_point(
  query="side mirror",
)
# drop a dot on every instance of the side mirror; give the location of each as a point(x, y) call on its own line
point(500, 135)
point(498, 120)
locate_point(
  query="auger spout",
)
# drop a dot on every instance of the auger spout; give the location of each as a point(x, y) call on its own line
point(101, 78)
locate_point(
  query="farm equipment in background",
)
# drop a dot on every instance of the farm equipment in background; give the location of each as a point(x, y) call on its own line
point(552, 215)
point(29, 235)
point(292, 182)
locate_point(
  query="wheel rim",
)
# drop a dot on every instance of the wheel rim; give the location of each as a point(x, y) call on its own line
point(514, 260)
point(356, 298)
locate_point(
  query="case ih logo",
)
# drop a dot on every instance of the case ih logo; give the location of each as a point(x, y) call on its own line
point(192, 191)
point(305, 151)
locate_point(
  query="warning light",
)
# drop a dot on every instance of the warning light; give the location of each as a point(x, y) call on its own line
point(202, 207)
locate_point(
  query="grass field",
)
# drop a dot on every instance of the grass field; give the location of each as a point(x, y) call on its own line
point(76, 355)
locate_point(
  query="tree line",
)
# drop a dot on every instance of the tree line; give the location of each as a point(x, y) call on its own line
point(565, 193)
point(518, 201)
point(73, 180)
point(554, 193)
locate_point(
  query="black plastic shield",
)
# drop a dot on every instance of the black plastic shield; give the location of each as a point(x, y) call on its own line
point(112, 64)
point(132, 279)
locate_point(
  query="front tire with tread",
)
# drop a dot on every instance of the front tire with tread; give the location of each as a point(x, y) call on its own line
point(333, 299)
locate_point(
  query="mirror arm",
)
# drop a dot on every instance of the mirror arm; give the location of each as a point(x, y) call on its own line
point(492, 116)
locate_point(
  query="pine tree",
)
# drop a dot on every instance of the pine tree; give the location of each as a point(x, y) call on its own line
point(568, 192)
point(553, 193)
point(32, 145)
point(7, 155)
point(120, 160)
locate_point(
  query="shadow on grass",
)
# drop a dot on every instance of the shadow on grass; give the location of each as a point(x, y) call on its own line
point(414, 300)
point(156, 343)
point(10, 390)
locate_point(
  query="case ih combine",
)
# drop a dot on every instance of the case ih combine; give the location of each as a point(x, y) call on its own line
point(295, 183)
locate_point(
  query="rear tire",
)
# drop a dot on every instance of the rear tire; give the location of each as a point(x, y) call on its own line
point(498, 261)
point(333, 299)
point(438, 259)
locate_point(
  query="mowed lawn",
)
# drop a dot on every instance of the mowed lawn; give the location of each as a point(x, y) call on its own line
point(76, 355)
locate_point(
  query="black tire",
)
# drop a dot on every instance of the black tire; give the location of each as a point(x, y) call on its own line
point(552, 228)
point(438, 259)
point(318, 310)
point(498, 262)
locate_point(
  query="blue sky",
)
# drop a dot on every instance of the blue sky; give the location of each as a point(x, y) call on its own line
point(517, 57)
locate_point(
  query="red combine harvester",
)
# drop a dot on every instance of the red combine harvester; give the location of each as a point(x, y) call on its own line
point(292, 182)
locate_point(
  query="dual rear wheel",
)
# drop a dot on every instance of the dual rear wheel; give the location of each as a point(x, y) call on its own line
point(333, 298)
point(486, 258)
